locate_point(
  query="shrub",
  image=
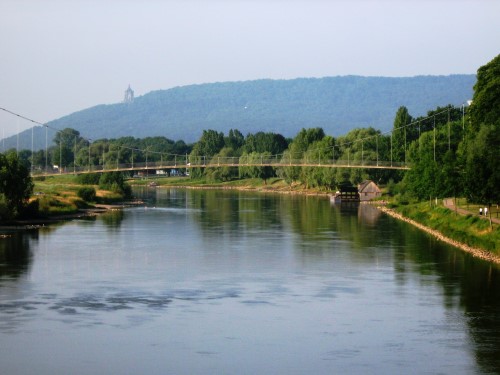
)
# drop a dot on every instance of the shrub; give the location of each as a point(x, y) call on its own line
point(88, 194)
point(115, 182)
point(88, 178)
point(4, 210)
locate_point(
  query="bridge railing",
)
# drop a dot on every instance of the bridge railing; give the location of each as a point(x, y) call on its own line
point(221, 162)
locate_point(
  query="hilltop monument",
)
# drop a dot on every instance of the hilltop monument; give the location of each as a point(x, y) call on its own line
point(129, 95)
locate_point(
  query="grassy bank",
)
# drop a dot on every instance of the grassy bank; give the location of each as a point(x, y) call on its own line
point(251, 184)
point(58, 196)
point(470, 230)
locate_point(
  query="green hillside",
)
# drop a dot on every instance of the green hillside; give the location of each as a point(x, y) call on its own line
point(337, 104)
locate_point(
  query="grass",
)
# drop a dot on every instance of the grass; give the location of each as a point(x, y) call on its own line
point(469, 229)
point(272, 184)
point(57, 195)
point(474, 208)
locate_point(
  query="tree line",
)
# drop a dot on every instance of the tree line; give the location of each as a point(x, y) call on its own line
point(452, 151)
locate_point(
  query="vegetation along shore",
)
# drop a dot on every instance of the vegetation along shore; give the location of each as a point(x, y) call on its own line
point(451, 152)
point(463, 229)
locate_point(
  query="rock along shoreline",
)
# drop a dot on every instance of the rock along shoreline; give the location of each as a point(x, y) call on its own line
point(479, 253)
point(99, 209)
point(476, 252)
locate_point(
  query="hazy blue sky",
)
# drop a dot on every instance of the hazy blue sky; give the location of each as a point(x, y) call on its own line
point(61, 56)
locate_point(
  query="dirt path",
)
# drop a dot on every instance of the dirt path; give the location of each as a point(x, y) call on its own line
point(448, 203)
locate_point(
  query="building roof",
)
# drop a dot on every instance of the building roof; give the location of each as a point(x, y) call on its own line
point(368, 183)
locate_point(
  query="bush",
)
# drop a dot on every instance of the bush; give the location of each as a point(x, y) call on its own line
point(88, 178)
point(115, 182)
point(88, 194)
point(4, 209)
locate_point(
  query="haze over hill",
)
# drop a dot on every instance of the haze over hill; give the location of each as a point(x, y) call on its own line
point(337, 104)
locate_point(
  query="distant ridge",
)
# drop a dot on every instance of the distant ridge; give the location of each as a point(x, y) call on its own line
point(337, 104)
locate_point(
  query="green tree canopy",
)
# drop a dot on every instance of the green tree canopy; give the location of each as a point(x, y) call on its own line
point(485, 108)
point(16, 184)
point(482, 165)
point(234, 140)
point(265, 142)
point(210, 143)
point(401, 134)
point(482, 168)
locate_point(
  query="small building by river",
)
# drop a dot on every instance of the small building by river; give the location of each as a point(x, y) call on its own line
point(346, 193)
point(368, 190)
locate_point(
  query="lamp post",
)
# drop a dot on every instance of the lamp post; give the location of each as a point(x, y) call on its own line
point(74, 158)
point(32, 159)
point(46, 150)
point(89, 155)
point(463, 121)
point(60, 154)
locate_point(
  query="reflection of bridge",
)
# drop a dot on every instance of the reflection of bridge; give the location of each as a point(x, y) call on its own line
point(222, 163)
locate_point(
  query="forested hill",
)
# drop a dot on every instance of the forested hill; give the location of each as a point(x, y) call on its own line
point(337, 104)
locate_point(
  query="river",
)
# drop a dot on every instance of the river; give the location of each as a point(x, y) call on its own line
point(225, 282)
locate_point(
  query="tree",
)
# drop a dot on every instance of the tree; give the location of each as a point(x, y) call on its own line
point(226, 155)
point(435, 166)
point(256, 171)
point(482, 163)
point(482, 168)
point(485, 108)
point(115, 182)
point(296, 152)
point(234, 140)
point(319, 152)
point(210, 143)
point(260, 142)
point(67, 137)
point(306, 137)
point(16, 184)
point(400, 134)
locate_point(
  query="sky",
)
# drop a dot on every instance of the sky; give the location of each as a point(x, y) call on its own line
point(61, 56)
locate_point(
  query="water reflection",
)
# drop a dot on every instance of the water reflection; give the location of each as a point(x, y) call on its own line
point(15, 253)
point(236, 280)
point(468, 284)
point(112, 219)
point(480, 300)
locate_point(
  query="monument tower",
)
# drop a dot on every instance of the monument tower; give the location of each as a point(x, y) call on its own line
point(129, 95)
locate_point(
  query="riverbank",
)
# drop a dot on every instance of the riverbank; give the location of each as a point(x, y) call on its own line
point(39, 222)
point(466, 235)
point(275, 185)
point(475, 251)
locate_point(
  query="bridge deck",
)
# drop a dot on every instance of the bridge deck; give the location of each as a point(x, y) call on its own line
point(173, 165)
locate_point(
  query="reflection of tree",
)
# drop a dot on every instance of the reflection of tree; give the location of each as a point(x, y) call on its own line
point(468, 284)
point(321, 231)
point(234, 214)
point(480, 297)
point(315, 219)
point(112, 219)
point(474, 286)
point(15, 254)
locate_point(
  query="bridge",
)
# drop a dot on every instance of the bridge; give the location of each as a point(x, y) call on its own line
point(221, 162)
point(341, 151)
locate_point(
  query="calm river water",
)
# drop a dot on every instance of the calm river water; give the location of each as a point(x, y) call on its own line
point(217, 282)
